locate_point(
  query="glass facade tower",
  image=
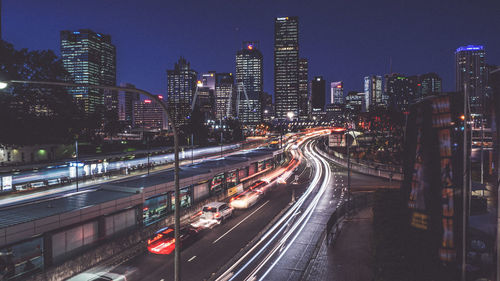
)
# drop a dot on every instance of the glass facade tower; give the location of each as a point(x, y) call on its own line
point(90, 58)
point(286, 66)
point(249, 79)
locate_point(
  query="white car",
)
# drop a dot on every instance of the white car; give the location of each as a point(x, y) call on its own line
point(246, 200)
point(213, 213)
point(100, 276)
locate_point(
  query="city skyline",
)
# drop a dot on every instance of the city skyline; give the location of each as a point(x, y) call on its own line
point(351, 61)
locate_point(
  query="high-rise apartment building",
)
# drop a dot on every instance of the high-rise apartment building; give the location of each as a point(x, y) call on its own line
point(318, 92)
point(303, 89)
point(182, 83)
point(337, 93)
point(126, 104)
point(373, 91)
point(249, 83)
point(90, 58)
point(224, 95)
point(471, 72)
point(286, 66)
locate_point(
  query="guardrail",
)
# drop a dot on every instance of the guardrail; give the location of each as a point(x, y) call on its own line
point(367, 168)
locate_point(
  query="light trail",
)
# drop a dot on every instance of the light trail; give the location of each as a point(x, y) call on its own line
point(284, 221)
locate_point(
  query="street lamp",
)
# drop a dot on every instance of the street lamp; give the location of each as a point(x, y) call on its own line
point(4, 84)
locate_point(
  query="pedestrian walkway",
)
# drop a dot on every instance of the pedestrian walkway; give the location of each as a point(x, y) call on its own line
point(349, 256)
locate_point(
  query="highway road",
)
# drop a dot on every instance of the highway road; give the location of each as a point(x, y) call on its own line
point(251, 244)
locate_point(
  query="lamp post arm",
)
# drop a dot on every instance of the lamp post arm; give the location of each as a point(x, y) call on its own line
point(176, 149)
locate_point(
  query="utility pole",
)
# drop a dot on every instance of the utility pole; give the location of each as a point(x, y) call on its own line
point(77, 163)
point(464, 188)
point(348, 174)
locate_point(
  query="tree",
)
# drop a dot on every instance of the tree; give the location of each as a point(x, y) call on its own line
point(196, 127)
point(36, 115)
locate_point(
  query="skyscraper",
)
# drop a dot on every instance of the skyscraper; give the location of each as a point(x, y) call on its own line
point(318, 92)
point(126, 104)
point(429, 84)
point(90, 58)
point(401, 90)
point(224, 101)
point(471, 71)
point(249, 80)
point(337, 93)
point(286, 66)
point(373, 91)
point(303, 89)
point(180, 90)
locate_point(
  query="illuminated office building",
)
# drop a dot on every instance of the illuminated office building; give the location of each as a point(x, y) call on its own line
point(224, 95)
point(470, 67)
point(181, 87)
point(90, 58)
point(303, 89)
point(373, 92)
point(286, 66)
point(429, 84)
point(249, 80)
point(149, 115)
point(337, 93)
point(126, 104)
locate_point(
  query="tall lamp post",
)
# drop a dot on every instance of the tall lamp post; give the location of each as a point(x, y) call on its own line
point(4, 84)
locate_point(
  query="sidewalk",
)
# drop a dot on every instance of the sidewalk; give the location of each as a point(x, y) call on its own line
point(349, 257)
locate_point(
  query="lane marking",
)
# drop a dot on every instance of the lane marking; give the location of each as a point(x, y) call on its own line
point(240, 222)
point(192, 258)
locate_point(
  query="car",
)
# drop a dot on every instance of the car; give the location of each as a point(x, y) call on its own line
point(163, 241)
point(99, 276)
point(246, 200)
point(215, 212)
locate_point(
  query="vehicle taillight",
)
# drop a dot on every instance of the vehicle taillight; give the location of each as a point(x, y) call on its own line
point(217, 215)
point(199, 213)
point(231, 200)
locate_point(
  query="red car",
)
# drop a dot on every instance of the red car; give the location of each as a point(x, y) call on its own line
point(163, 243)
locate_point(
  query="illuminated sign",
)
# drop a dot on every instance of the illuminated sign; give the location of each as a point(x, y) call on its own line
point(470, 48)
point(7, 183)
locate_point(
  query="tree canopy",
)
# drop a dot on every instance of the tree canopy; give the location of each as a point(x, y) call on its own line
point(32, 114)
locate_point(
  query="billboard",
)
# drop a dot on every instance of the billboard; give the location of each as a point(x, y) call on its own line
point(433, 182)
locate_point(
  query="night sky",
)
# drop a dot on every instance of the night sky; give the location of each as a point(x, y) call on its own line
point(343, 40)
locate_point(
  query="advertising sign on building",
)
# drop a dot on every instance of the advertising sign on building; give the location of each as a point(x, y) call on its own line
point(433, 183)
point(6, 183)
